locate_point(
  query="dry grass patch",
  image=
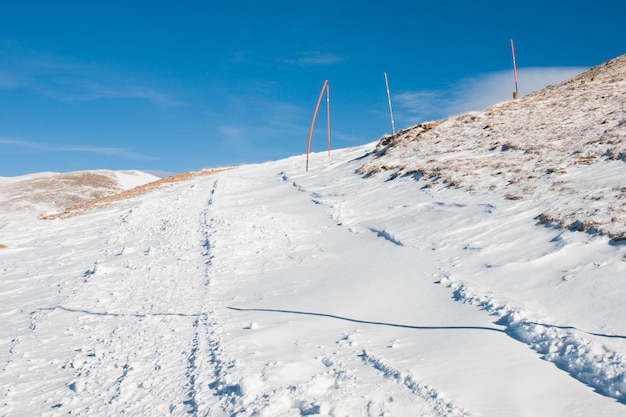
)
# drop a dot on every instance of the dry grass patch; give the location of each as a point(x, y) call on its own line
point(133, 192)
point(88, 178)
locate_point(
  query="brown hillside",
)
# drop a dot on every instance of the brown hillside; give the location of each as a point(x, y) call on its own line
point(133, 192)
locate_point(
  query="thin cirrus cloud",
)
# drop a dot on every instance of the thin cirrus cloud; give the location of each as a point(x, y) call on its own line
point(83, 89)
point(476, 93)
point(87, 90)
point(9, 81)
point(40, 147)
point(17, 143)
point(119, 152)
point(260, 125)
point(313, 58)
point(67, 79)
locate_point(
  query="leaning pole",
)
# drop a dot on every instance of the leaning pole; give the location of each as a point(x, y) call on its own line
point(317, 106)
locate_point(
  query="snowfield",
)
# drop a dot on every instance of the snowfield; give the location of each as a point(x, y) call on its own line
point(364, 287)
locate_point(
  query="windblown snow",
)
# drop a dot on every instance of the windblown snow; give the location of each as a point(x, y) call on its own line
point(435, 273)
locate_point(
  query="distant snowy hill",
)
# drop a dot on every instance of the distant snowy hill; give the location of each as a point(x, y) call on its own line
point(35, 194)
point(474, 266)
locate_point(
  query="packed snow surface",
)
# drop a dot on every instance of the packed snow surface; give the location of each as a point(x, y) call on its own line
point(266, 290)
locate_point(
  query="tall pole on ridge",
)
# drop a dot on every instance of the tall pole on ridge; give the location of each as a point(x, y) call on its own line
point(393, 127)
point(514, 70)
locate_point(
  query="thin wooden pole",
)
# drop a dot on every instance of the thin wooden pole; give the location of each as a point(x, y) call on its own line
point(393, 127)
point(317, 106)
point(515, 94)
point(328, 115)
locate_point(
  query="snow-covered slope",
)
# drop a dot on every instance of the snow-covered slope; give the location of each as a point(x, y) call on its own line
point(266, 290)
point(563, 147)
point(29, 196)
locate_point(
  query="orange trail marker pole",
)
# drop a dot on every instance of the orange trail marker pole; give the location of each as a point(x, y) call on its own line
point(317, 106)
point(514, 69)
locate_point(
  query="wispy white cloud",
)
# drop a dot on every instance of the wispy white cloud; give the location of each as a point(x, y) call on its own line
point(20, 143)
point(87, 90)
point(41, 147)
point(9, 81)
point(418, 104)
point(349, 139)
point(313, 59)
point(475, 93)
point(119, 152)
point(260, 126)
point(67, 79)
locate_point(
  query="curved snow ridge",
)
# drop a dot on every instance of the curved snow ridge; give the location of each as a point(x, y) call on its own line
point(589, 362)
point(440, 405)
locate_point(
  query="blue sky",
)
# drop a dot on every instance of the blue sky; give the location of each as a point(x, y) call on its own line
point(185, 85)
